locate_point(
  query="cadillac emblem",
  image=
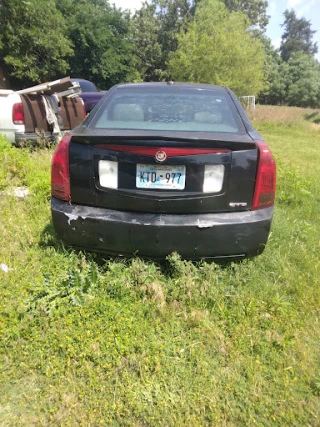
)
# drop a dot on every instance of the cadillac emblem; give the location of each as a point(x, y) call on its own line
point(161, 156)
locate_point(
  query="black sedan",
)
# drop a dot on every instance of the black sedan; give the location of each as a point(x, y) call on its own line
point(164, 167)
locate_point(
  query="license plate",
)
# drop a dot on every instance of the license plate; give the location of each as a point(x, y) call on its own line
point(161, 177)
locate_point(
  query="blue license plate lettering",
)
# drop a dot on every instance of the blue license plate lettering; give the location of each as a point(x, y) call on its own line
point(160, 177)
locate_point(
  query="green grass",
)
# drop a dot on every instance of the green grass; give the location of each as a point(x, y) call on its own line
point(91, 341)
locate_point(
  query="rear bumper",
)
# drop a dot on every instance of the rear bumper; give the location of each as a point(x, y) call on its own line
point(22, 136)
point(157, 235)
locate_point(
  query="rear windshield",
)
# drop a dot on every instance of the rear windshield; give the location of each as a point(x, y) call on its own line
point(166, 108)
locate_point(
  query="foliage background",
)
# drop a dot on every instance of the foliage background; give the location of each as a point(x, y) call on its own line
point(207, 52)
point(92, 39)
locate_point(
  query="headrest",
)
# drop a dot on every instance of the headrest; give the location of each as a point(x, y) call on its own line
point(206, 117)
point(128, 113)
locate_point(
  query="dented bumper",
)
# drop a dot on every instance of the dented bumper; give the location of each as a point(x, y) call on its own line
point(223, 235)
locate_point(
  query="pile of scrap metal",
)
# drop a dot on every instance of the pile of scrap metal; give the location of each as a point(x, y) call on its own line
point(46, 110)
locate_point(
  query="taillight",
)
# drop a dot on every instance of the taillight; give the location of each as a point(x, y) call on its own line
point(18, 114)
point(265, 188)
point(60, 171)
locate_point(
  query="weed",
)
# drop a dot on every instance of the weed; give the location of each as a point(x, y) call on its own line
point(71, 290)
point(295, 187)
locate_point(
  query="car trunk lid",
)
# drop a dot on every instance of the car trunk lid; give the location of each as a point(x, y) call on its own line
point(195, 175)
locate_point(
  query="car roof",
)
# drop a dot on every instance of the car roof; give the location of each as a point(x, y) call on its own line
point(75, 79)
point(173, 84)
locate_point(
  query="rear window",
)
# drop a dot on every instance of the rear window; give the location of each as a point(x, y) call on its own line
point(167, 108)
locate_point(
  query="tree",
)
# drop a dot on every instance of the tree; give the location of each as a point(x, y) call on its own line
point(297, 36)
point(277, 83)
point(256, 11)
point(295, 83)
point(304, 90)
point(219, 49)
point(156, 27)
point(173, 16)
point(146, 28)
point(277, 76)
point(33, 42)
point(102, 42)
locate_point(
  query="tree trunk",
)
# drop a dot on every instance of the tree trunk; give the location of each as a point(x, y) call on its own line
point(4, 77)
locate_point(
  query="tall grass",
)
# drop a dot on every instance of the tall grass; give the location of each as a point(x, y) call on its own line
point(286, 116)
point(93, 341)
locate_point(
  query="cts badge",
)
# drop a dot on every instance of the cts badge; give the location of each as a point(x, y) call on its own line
point(161, 156)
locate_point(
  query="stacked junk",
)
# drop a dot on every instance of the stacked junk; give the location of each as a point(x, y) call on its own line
point(52, 108)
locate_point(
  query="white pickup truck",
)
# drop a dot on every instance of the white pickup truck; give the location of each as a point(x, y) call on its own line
point(46, 110)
